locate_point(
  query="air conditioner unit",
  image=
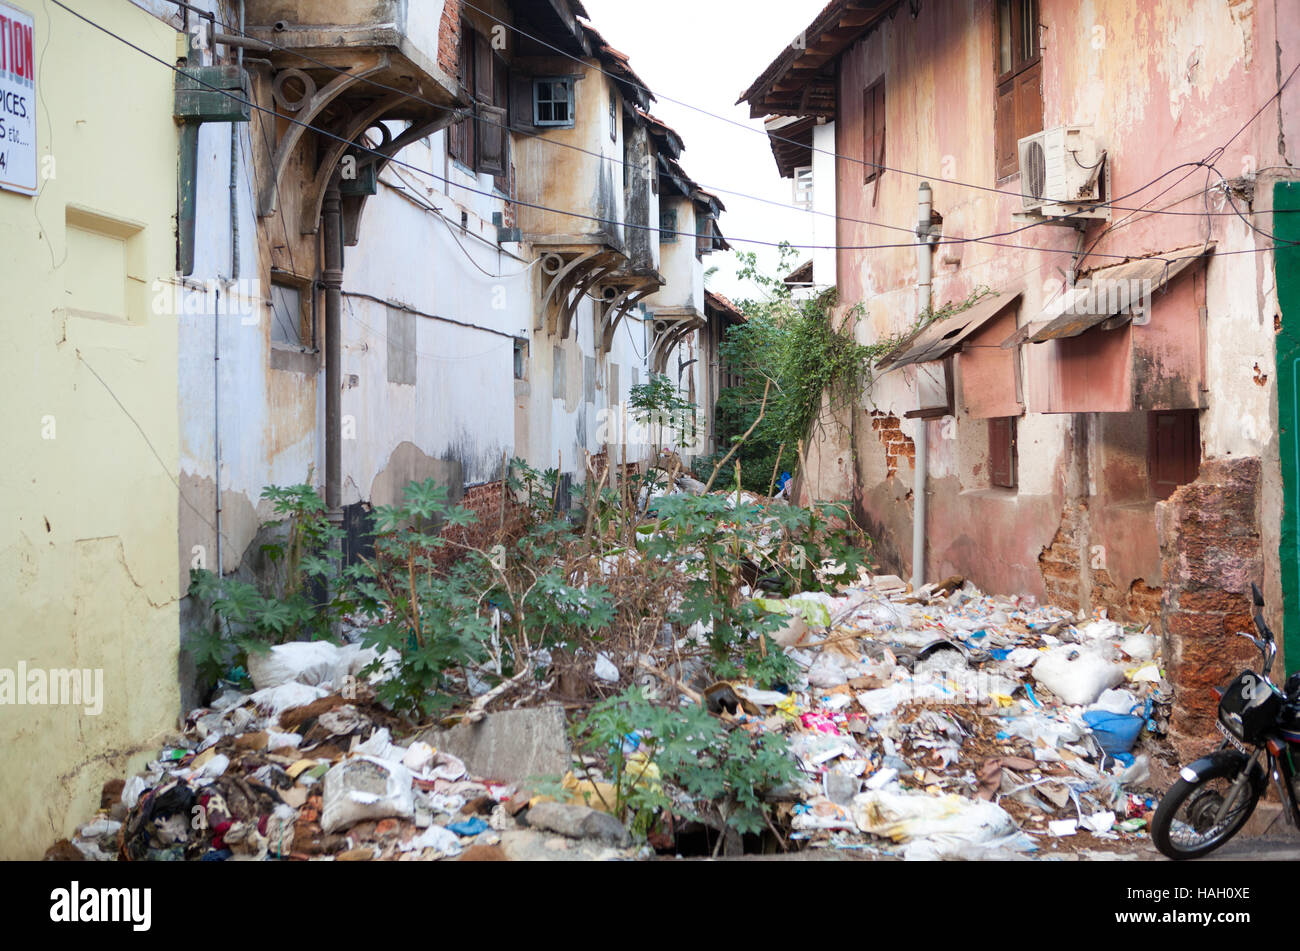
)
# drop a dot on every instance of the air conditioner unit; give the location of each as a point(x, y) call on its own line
point(1060, 166)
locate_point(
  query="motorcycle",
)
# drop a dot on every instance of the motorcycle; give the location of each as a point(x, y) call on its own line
point(1215, 795)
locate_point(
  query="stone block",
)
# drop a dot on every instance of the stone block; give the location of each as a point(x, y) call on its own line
point(509, 746)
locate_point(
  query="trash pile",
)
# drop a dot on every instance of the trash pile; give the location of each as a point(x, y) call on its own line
point(305, 767)
point(953, 724)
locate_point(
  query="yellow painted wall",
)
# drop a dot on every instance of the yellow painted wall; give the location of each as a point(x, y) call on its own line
point(88, 502)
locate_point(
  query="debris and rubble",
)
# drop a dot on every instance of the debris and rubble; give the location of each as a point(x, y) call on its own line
point(941, 723)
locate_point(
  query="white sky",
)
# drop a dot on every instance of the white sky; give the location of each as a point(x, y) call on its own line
point(705, 53)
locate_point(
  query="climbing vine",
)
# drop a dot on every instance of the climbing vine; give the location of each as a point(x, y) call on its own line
point(810, 366)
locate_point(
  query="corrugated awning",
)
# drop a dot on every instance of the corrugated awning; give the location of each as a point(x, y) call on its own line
point(945, 337)
point(1119, 292)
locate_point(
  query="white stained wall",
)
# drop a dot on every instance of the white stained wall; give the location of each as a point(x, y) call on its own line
point(824, 230)
point(682, 269)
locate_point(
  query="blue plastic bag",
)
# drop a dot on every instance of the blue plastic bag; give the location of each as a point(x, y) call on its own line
point(1115, 732)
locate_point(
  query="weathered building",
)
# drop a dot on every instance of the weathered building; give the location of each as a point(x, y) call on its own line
point(1108, 172)
point(352, 244)
point(88, 583)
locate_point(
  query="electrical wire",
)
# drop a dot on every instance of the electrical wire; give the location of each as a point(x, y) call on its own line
point(712, 188)
point(429, 206)
point(835, 155)
point(574, 214)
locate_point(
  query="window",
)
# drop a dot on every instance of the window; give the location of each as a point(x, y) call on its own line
point(1003, 456)
point(460, 137)
point(668, 226)
point(1173, 450)
point(613, 116)
point(873, 131)
point(481, 141)
point(288, 315)
point(803, 187)
point(553, 102)
point(1019, 70)
point(521, 360)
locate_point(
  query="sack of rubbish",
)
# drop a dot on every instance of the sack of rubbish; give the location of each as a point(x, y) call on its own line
point(949, 819)
point(365, 787)
point(1077, 674)
point(315, 663)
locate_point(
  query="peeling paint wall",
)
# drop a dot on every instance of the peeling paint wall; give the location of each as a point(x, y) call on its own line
point(1162, 83)
point(87, 569)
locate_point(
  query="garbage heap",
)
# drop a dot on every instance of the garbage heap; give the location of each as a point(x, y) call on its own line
point(947, 723)
point(940, 723)
point(305, 768)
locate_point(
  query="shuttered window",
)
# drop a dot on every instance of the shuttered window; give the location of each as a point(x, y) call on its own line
point(481, 142)
point(1173, 450)
point(460, 137)
point(1018, 110)
point(873, 130)
point(1003, 457)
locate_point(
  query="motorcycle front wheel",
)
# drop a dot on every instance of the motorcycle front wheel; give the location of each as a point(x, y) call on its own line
point(1186, 824)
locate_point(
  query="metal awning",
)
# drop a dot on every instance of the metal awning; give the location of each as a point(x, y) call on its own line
point(945, 337)
point(1112, 292)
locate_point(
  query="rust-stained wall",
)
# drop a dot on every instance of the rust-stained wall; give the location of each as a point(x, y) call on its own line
point(1163, 84)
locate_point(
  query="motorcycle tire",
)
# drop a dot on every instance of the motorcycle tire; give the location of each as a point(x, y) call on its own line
point(1163, 832)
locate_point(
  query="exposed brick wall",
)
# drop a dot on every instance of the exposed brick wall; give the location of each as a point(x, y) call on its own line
point(1210, 553)
point(1140, 604)
point(449, 39)
point(1059, 561)
point(485, 502)
point(898, 445)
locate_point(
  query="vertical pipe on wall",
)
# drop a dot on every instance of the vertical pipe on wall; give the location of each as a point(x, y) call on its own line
point(332, 221)
point(924, 271)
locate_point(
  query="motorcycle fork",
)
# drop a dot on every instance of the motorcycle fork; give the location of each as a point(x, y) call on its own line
point(1238, 787)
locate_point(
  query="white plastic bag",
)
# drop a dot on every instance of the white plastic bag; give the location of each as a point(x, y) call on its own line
point(903, 816)
point(1078, 674)
point(365, 787)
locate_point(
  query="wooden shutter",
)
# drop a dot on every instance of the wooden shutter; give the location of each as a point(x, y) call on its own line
point(521, 103)
point(1018, 108)
point(873, 131)
point(1002, 452)
point(460, 136)
point(1029, 102)
point(1005, 130)
point(496, 132)
point(1174, 451)
point(492, 139)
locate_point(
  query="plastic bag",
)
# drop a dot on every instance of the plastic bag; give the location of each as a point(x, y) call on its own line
point(903, 816)
point(1077, 675)
point(366, 787)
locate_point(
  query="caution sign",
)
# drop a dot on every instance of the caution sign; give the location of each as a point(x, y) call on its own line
point(17, 101)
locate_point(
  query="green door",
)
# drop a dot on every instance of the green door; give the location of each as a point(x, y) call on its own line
point(1286, 225)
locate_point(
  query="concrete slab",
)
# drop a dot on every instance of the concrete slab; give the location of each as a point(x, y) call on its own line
point(510, 746)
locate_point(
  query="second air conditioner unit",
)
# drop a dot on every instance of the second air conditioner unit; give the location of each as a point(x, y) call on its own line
point(1061, 166)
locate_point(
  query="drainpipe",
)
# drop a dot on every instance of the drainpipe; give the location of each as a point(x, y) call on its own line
point(924, 272)
point(332, 220)
point(216, 323)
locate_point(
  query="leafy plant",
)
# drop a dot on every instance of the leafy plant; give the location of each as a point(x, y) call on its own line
point(429, 615)
point(659, 403)
point(815, 368)
point(716, 768)
point(300, 600)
